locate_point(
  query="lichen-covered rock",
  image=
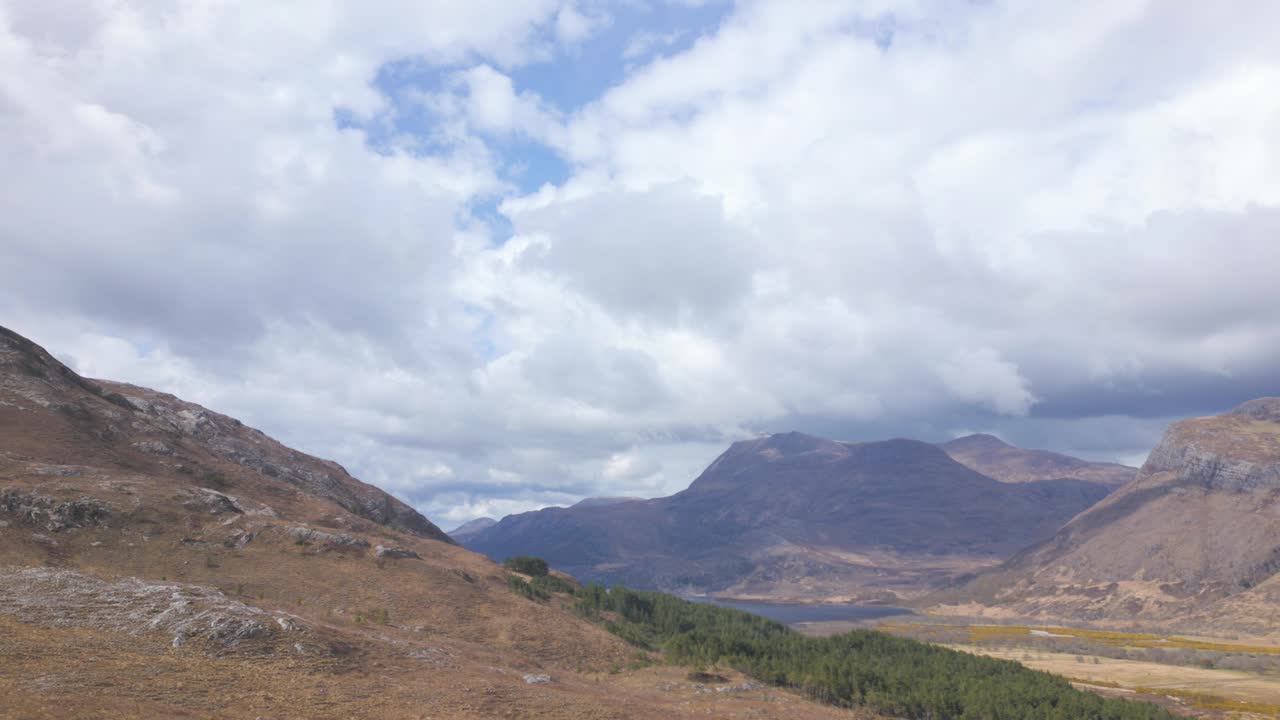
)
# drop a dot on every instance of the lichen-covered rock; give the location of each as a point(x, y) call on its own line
point(153, 447)
point(52, 514)
point(310, 536)
point(394, 552)
point(240, 538)
point(62, 597)
point(213, 502)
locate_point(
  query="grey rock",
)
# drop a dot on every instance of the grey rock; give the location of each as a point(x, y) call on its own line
point(213, 502)
point(153, 447)
point(537, 679)
point(395, 552)
point(309, 536)
point(1209, 470)
point(53, 596)
point(243, 539)
point(52, 514)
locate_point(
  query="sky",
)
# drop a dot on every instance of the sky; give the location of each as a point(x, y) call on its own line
point(495, 255)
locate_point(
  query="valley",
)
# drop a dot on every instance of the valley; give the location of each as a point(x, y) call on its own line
point(1198, 676)
point(186, 565)
point(639, 360)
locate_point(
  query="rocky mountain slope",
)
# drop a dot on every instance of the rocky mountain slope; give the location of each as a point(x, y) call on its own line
point(158, 559)
point(800, 517)
point(995, 458)
point(1194, 539)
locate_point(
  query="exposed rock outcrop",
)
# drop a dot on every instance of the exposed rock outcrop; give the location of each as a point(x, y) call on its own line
point(395, 553)
point(326, 540)
point(1231, 454)
point(183, 612)
point(213, 502)
point(52, 514)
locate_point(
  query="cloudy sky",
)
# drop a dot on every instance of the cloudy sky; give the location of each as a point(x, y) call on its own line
point(495, 255)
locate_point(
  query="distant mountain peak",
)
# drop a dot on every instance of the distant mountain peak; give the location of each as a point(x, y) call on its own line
point(792, 443)
point(996, 458)
point(472, 527)
point(976, 441)
point(602, 501)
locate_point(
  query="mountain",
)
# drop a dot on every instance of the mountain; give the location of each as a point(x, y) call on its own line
point(158, 559)
point(1193, 540)
point(995, 458)
point(472, 527)
point(799, 517)
point(602, 501)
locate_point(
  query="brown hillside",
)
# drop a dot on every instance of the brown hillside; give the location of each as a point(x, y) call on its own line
point(995, 458)
point(160, 560)
point(1193, 541)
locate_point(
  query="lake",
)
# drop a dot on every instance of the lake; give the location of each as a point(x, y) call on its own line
point(791, 613)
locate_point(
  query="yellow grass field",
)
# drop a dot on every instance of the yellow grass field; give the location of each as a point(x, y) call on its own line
point(1196, 687)
point(1193, 690)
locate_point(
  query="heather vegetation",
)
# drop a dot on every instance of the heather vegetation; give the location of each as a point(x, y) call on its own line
point(888, 674)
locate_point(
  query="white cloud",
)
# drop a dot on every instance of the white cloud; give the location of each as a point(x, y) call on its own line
point(867, 219)
point(982, 376)
point(493, 105)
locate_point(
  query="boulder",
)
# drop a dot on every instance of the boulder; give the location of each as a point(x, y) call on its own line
point(327, 541)
point(395, 552)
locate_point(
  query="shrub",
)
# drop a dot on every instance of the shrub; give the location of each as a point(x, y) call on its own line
point(524, 589)
point(214, 480)
point(552, 584)
point(527, 564)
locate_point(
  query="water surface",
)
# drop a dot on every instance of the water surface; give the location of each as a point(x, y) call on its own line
point(791, 613)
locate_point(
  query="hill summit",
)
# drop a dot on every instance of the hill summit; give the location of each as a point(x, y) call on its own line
point(996, 458)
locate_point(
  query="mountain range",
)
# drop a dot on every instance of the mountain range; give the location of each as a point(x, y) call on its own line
point(796, 517)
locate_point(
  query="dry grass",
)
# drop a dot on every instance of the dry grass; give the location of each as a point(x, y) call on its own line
point(978, 633)
point(436, 637)
point(1196, 688)
point(1192, 690)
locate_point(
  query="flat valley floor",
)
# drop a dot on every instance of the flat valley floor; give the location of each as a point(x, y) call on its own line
point(1197, 676)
